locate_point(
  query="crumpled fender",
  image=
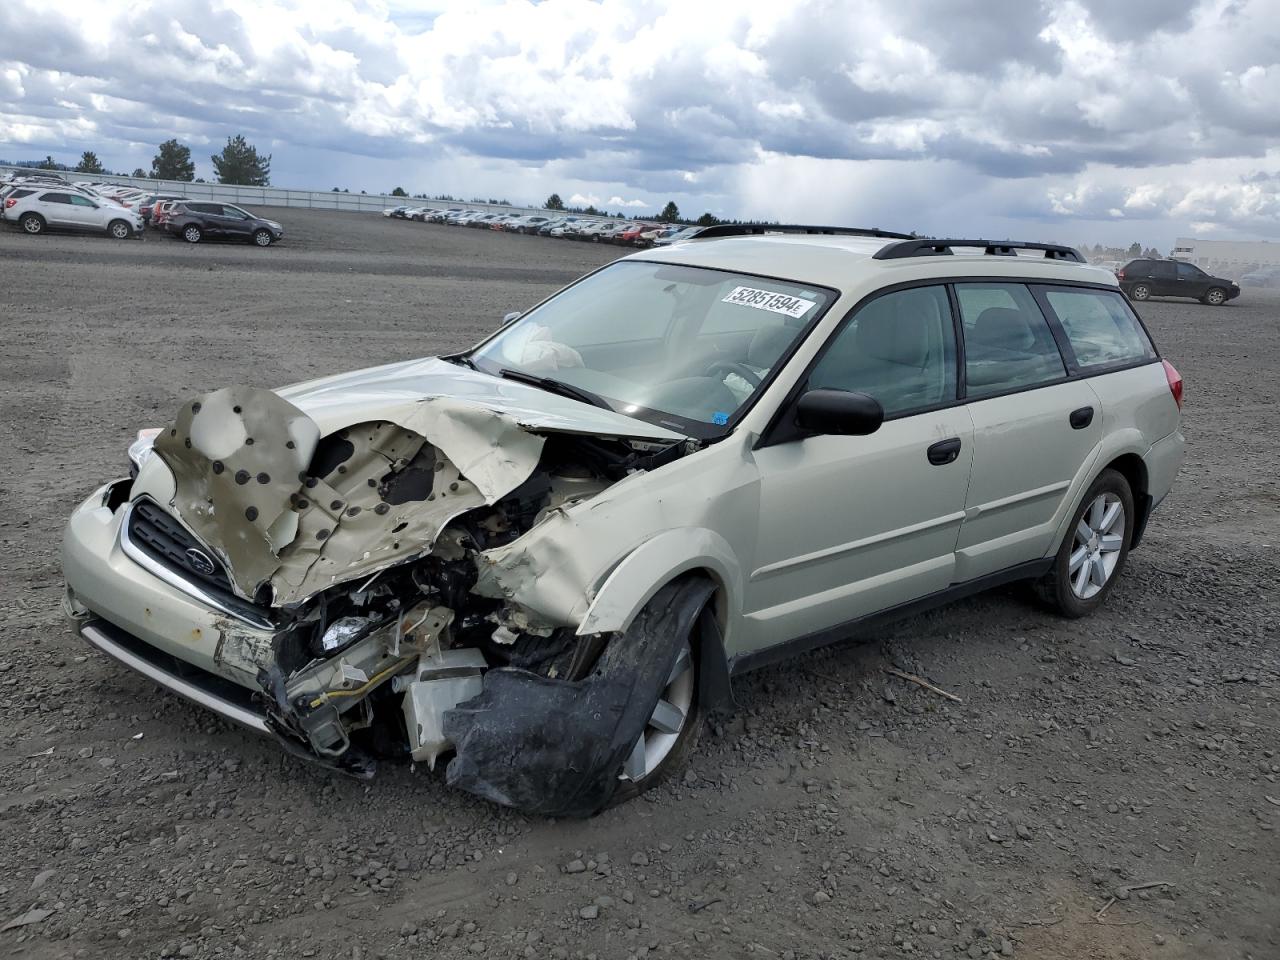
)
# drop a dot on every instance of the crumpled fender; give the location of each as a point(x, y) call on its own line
point(554, 747)
point(657, 561)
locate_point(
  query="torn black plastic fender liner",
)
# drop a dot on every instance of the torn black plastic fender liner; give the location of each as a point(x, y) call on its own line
point(555, 747)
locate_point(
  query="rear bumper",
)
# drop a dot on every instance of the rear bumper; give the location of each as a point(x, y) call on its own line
point(1163, 461)
point(226, 699)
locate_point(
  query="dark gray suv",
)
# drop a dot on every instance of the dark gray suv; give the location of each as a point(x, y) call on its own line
point(1144, 279)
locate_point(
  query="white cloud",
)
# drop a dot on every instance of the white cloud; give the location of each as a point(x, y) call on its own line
point(1080, 110)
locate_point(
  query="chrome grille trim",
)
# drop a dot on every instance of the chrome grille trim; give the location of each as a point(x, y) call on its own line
point(232, 606)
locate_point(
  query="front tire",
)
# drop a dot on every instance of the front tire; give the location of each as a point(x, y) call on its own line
point(192, 234)
point(119, 230)
point(262, 238)
point(1214, 297)
point(672, 732)
point(1093, 553)
point(33, 224)
point(1140, 291)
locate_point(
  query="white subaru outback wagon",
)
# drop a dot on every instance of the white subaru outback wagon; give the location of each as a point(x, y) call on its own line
point(544, 559)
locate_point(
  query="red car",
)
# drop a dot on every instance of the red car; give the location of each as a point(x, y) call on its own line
point(631, 235)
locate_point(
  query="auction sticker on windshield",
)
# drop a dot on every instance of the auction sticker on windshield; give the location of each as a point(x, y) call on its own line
point(790, 306)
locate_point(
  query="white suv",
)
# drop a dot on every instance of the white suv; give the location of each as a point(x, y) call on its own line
point(69, 209)
point(547, 557)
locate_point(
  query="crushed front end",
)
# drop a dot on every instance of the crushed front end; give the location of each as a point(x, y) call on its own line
point(325, 588)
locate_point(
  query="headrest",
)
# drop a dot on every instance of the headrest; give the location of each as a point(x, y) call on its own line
point(1003, 327)
point(898, 330)
point(768, 344)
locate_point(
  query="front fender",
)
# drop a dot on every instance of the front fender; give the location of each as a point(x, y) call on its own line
point(658, 561)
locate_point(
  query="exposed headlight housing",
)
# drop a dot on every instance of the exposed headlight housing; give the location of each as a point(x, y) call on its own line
point(141, 449)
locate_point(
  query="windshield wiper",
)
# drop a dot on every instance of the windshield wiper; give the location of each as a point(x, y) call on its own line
point(554, 386)
point(463, 359)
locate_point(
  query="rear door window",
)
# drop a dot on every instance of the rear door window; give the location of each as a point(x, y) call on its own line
point(1007, 341)
point(56, 198)
point(1162, 270)
point(1100, 327)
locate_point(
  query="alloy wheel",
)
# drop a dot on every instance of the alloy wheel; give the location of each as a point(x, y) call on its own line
point(191, 235)
point(32, 225)
point(1141, 292)
point(120, 231)
point(1216, 297)
point(1099, 541)
point(262, 238)
point(663, 730)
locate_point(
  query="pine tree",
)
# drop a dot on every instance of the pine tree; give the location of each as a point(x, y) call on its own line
point(240, 164)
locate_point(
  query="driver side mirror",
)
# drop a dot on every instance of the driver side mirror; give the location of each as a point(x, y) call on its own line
point(839, 412)
point(511, 317)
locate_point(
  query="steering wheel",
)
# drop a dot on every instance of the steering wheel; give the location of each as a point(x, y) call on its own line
point(731, 366)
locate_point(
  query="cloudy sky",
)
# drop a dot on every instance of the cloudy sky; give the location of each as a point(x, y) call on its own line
point(1072, 120)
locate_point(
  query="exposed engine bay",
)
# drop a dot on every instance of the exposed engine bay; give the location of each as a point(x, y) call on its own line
point(371, 552)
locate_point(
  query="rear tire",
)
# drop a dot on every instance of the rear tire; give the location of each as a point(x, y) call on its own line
point(262, 238)
point(191, 234)
point(1214, 297)
point(33, 224)
point(1093, 552)
point(119, 229)
point(1140, 291)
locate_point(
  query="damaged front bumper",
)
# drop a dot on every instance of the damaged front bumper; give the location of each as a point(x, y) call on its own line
point(342, 593)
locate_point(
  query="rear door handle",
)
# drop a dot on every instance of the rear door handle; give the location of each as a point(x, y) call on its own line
point(1081, 418)
point(944, 451)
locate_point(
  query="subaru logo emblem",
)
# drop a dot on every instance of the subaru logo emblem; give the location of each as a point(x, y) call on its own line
point(199, 561)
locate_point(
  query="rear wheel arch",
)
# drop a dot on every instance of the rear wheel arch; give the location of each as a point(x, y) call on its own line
point(1134, 470)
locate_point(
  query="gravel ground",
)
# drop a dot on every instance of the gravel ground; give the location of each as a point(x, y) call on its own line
point(840, 813)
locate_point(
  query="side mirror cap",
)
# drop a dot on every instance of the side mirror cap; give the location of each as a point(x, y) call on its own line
point(839, 412)
point(511, 317)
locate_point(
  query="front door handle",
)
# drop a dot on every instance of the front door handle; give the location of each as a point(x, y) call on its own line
point(944, 451)
point(1081, 418)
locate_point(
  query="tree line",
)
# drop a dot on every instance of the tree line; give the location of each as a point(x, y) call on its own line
point(238, 163)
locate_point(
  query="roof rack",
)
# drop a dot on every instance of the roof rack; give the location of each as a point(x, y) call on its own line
point(755, 229)
point(991, 248)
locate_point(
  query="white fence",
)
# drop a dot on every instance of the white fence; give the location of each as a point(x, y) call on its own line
point(276, 196)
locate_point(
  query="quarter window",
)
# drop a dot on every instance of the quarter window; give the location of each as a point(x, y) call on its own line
point(899, 348)
point(1007, 341)
point(1099, 326)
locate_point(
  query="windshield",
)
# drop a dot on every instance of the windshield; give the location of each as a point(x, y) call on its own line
point(683, 347)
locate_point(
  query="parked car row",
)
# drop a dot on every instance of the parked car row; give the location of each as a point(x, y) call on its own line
point(38, 202)
point(41, 202)
point(634, 233)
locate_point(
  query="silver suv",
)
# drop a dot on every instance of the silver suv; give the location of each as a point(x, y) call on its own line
point(68, 208)
point(547, 557)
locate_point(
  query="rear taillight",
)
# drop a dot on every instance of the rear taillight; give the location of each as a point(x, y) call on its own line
point(10, 202)
point(1175, 381)
point(1120, 274)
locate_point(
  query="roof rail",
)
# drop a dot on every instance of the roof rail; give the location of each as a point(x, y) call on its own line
point(991, 248)
point(755, 229)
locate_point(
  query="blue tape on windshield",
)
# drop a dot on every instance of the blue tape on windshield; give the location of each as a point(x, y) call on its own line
point(719, 419)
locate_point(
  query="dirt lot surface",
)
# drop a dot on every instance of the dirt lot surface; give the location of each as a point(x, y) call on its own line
point(1108, 788)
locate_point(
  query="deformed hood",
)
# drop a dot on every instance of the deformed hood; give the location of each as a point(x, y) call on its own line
point(381, 392)
point(286, 506)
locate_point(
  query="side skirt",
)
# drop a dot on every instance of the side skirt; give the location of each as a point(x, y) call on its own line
point(853, 628)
